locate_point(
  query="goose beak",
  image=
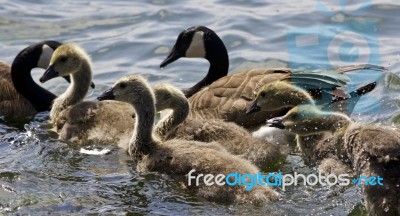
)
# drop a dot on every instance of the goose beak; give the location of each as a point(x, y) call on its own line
point(49, 74)
point(253, 108)
point(107, 95)
point(173, 56)
point(68, 79)
point(276, 122)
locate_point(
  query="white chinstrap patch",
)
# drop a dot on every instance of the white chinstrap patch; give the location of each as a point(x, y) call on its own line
point(45, 57)
point(196, 48)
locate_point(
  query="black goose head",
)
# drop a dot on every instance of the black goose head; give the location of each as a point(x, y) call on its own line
point(196, 42)
point(201, 42)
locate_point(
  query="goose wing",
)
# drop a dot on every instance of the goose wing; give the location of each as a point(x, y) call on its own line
point(324, 79)
point(347, 103)
point(327, 80)
point(228, 97)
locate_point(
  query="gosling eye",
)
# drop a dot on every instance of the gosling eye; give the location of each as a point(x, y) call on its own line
point(262, 94)
point(122, 85)
point(294, 115)
point(63, 58)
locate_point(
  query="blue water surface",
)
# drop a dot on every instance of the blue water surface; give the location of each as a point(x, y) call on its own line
point(41, 175)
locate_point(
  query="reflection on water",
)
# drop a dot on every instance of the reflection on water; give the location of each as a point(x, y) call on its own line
point(40, 174)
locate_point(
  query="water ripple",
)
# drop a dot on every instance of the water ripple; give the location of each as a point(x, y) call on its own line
point(40, 174)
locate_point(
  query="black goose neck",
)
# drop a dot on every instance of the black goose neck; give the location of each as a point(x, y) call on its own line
point(217, 56)
point(22, 79)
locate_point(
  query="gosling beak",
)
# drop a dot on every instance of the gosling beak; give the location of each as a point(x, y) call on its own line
point(49, 74)
point(107, 95)
point(68, 78)
point(276, 122)
point(173, 56)
point(253, 108)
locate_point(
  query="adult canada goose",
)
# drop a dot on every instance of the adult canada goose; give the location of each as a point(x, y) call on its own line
point(222, 96)
point(19, 94)
point(84, 122)
point(179, 157)
point(372, 150)
point(234, 138)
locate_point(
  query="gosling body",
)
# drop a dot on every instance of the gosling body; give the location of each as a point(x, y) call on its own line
point(234, 138)
point(370, 149)
point(87, 122)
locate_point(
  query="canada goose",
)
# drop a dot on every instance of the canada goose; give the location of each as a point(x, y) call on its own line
point(179, 157)
point(222, 96)
point(372, 150)
point(19, 95)
point(84, 122)
point(234, 138)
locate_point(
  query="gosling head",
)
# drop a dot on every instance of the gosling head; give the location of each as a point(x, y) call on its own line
point(132, 89)
point(278, 95)
point(195, 42)
point(308, 120)
point(67, 59)
point(167, 96)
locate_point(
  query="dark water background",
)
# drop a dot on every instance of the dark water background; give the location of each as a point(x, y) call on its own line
point(39, 174)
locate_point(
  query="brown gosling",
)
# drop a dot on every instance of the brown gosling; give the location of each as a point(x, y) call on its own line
point(178, 157)
point(234, 138)
point(372, 150)
point(89, 121)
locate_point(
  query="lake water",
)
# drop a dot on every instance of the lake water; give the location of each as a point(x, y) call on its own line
point(40, 175)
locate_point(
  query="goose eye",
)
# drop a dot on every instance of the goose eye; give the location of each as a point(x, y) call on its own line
point(63, 59)
point(122, 85)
